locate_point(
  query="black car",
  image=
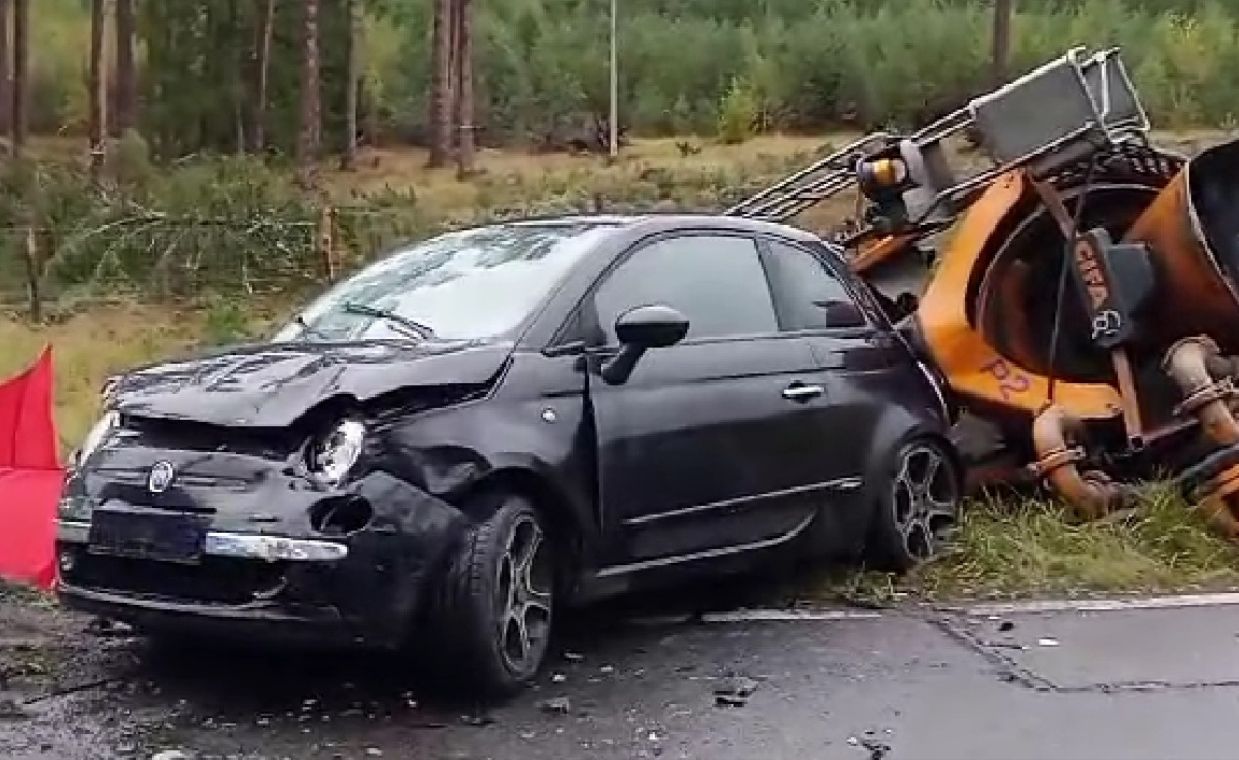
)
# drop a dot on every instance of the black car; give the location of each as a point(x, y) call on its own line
point(478, 429)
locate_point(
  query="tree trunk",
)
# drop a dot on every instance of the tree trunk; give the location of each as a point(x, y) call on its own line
point(464, 89)
point(240, 99)
point(1002, 39)
point(355, 46)
point(453, 74)
point(6, 77)
point(440, 116)
point(371, 109)
point(21, 61)
point(262, 72)
point(126, 71)
point(309, 135)
point(96, 126)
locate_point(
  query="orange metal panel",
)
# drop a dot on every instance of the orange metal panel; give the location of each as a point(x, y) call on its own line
point(973, 367)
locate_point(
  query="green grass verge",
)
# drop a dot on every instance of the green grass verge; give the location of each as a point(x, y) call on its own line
point(1022, 547)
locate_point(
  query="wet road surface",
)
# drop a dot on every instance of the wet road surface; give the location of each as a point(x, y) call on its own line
point(898, 685)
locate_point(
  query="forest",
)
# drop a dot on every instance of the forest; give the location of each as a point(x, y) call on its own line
point(228, 75)
point(172, 148)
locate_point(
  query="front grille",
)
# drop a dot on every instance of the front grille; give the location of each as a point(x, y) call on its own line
point(217, 580)
point(182, 435)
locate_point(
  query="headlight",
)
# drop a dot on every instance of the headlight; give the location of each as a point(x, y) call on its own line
point(332, 456)
point(97, 435)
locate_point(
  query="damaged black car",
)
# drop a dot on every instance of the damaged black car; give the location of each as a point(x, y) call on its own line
point(477, 430)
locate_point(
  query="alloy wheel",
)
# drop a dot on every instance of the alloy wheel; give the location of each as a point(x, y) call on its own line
point(523, 596)
point(926, 500)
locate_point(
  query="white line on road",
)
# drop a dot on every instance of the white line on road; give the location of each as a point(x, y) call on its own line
point(1100, 605)
point(983, 610)
point(746, 616)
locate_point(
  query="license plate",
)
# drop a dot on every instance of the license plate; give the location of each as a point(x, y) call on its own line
point(147, 535)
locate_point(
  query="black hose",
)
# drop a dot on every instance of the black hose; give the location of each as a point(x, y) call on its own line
point(1062, 276)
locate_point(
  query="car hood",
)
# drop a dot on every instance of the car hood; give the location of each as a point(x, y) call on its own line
point(273, 385)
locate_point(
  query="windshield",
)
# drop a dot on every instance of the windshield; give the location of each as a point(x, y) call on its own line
point(479, 283)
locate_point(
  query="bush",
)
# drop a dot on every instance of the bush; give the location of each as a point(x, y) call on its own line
point(130, 160)
point(227, 322)
point(737, 118)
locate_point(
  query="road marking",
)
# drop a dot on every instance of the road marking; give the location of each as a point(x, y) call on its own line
point(983, 610)
point(761, 615)
point(1100, 605)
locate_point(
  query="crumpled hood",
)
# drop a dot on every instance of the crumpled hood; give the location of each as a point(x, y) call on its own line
point(273, 385)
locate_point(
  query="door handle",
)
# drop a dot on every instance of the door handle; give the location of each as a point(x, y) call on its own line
point(802, 392)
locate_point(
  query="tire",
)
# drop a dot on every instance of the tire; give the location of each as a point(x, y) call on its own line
point(918, 506)
point(497, 604)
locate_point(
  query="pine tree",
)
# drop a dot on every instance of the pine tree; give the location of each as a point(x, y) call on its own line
point(355, 47)
point(21, 64)
point(126, 71)
point(309, 133)
point(97, 115)
point(440, 116)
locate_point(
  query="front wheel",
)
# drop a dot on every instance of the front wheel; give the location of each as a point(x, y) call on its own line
point(499, 599)
point(917, 508)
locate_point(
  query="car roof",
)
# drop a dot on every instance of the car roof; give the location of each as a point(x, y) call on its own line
point(642, 224)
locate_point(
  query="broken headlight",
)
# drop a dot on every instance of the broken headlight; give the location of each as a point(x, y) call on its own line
point(334, 454)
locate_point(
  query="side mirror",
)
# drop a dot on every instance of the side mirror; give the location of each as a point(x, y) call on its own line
point(639, 330)
point(651, 327)
point(843, 314)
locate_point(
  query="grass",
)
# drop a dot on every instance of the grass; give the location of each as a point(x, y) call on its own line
point(1022, 547)
point(94, 344)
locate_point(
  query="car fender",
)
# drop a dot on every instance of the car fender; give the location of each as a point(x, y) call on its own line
point(455, 452)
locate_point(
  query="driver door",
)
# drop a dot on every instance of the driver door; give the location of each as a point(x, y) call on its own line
point(709, 447)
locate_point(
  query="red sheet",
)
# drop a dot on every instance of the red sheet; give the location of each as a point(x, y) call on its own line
point(30, 476)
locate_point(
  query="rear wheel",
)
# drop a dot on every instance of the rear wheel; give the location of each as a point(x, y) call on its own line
point(918, 507)
point(499, 599)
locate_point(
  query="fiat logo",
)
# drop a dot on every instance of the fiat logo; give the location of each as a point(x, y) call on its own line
point(161, 477)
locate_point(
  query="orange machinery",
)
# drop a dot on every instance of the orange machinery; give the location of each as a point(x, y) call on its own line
point(1076, 291)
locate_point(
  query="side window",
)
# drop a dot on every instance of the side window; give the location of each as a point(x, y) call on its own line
point(803, 287)
point(718, 282)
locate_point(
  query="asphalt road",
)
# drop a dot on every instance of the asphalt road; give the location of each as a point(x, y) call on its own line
point(901, 684)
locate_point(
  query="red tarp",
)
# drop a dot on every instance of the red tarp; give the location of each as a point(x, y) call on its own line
point(30, 476)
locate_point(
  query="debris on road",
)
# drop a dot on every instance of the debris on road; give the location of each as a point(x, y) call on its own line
point(1006, 625)
point(877, 749)
point(477, 719)
point(10, 710)
point(574, 657)
point(734, 691)
point(109, 628)
point(1047, 642)
point(556, 705)
point(170, 754)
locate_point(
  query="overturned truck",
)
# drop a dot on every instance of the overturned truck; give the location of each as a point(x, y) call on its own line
point(1078, 293)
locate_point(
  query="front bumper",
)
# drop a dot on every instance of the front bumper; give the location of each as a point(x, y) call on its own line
point(362, 589)
point(237, 545)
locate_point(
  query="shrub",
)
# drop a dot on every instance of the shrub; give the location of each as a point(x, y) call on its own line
point(737, 118)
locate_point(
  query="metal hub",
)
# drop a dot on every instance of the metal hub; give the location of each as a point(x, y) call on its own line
point(926, 499)
point(523, 591)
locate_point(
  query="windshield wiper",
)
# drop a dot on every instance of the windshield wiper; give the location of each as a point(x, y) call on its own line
point(308, 329)
point(417, 328)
